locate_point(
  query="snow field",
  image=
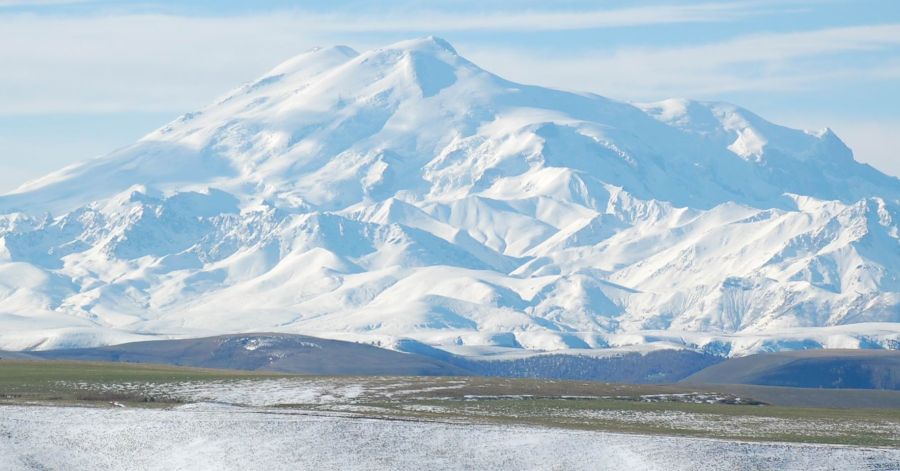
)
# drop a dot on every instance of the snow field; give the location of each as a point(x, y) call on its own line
point(222, 438)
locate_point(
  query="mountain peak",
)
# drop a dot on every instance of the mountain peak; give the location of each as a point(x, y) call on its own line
point(317, 58)
point(406, 193)
point(426, 43)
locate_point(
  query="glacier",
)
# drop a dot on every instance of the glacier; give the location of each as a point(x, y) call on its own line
point(406, 194)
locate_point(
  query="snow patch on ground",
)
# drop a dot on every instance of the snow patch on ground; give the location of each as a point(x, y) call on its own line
point(217, 438)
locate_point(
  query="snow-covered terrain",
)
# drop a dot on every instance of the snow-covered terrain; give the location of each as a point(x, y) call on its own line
point(406, 193)
point(452, 400)
point(221, 437)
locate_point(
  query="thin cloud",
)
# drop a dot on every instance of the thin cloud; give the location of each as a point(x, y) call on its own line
point(766, 62)
point(136, 62)
point(37, 3)
point(537, 20)
point(162, 62)
point(423, 20)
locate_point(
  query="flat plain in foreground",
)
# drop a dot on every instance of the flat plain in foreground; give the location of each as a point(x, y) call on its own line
point(673, 410)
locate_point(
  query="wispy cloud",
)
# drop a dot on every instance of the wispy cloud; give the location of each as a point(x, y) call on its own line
point(108, 63)
point(37, 3)
point(147, 62)
point(435, 21)
point(137, 62)
point(494, 19)
point(761, 62)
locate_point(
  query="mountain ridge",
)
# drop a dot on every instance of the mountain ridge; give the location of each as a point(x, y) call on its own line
point(405, 192)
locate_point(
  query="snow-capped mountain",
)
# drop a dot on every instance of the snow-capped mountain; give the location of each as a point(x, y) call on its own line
point(406, 193)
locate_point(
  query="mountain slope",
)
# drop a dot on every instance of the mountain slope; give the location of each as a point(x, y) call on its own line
point(405, 192)
point(857, 369)
point(264, 352)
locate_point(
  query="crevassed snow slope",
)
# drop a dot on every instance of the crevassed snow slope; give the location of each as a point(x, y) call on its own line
point(405, 192)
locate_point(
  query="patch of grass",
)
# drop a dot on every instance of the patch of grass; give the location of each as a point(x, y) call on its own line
point(51, 381)
point(859, 427)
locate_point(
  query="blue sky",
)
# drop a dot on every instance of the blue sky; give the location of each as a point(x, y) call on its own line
point(79, 78)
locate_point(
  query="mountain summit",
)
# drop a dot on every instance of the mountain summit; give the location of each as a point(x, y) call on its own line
point(404, 193)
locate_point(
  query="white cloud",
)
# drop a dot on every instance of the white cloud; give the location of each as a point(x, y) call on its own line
point(531, 21)
point(148, 62)
point(102, 64)
point(31, 3)
point(765, 62)
point(153, 62)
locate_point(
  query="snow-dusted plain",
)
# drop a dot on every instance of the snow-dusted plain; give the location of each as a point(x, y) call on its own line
point(405, 192)
point(392, 397)
point(200, 437)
